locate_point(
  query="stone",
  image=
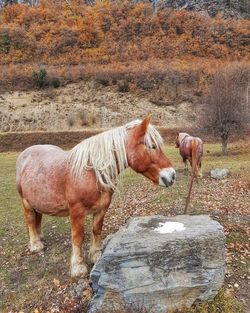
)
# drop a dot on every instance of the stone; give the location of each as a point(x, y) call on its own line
point(219, 173)
point(77, 288)
point(159, 263)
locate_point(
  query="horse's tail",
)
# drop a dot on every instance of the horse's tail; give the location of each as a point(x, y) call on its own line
point(195, 156)
point(197, 152)
point(195, 169)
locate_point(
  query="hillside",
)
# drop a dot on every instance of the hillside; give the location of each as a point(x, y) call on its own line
point(109, 40)
point(84, 105)
point(71, 66)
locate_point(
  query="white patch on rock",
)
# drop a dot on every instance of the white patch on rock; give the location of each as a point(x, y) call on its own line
point(169, 227)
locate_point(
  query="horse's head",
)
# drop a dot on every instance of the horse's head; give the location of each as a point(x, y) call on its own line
point(177, 141)
point(146, 156)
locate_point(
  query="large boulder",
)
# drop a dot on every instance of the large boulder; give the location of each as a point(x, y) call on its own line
point(159, 263)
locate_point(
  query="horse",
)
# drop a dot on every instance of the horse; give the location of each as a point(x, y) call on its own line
point(191, 149)
point(82, 181)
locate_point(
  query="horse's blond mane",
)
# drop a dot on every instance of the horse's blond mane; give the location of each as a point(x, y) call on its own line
point(105, 153)
point(182, 136)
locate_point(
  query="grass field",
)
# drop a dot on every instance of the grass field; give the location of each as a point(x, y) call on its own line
point(41, 282)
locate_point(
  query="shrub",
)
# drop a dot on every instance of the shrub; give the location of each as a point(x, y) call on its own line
point(55, 83)
point(71, 119)
point(123, 86)
point(5, 42)
point(40, 78)
point(86, 118)
point(103, 81)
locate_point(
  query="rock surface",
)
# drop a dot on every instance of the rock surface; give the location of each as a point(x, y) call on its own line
point(228, 9)
point(219, 173)
point(159, 263)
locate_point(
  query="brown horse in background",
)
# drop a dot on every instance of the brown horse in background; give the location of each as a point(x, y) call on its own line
point(191, 149)
point(82, 181)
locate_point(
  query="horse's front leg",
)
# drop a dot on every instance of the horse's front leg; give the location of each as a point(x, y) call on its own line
point(39, 224)
point(78, 266)
point(185, 164)
point(95, 244)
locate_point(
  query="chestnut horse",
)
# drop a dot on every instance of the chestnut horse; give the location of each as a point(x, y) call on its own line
point(82, 181)
point(191, 149)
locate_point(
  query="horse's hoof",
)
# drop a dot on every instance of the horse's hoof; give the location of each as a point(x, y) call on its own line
point(36, 246)
point(79, 270)
point(94, 256)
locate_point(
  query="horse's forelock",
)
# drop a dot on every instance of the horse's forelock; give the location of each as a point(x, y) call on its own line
point(106, 154)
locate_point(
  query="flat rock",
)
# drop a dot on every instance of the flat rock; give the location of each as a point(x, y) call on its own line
point(219, 173)
point(159, 263)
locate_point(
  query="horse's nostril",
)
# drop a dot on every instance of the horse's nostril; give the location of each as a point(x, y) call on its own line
point(165, 181)
point(173, 176)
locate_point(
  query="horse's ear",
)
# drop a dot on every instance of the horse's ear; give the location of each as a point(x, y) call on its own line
point(144, 125)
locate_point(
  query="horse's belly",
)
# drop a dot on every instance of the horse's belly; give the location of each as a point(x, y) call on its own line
point(49, 206)
point(46, 200)
point(186, 151)
point(60, 210)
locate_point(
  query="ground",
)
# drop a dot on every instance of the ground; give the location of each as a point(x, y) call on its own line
point(41, 283)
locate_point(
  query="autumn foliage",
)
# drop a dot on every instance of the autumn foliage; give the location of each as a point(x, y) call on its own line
point(112, 37)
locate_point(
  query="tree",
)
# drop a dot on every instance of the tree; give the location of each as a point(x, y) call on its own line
point(225, 106)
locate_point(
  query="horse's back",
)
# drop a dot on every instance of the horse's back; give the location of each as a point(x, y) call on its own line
point(36, 154)
point(40, 174)
point(186, 146)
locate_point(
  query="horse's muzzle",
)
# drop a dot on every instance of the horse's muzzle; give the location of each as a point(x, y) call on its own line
point(167, 177)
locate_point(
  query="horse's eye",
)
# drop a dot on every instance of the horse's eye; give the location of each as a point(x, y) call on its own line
point(153, 146)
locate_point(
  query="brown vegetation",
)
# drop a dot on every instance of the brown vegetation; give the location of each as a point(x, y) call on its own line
point(116, 43)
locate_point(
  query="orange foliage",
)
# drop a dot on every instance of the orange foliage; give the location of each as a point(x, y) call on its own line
point(55, 33)
point(107, 37)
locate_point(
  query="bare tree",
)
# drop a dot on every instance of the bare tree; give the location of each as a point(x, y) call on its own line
point(225, 106)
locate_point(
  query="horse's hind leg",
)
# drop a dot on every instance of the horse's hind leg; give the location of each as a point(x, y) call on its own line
point(199, 172)
point(39, 224)
point(34, 227)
